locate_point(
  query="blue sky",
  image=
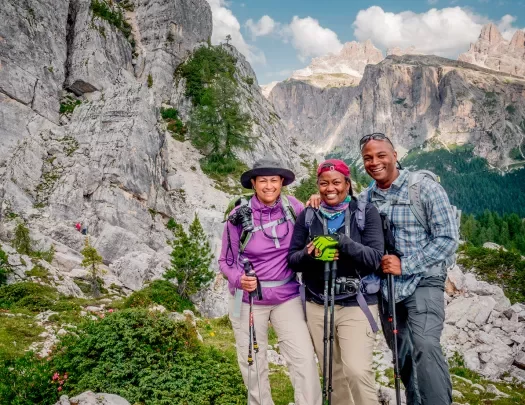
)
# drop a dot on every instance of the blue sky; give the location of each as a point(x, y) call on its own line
point(279, 36)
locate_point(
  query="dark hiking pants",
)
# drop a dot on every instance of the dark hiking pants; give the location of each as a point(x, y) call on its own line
point(423, 367)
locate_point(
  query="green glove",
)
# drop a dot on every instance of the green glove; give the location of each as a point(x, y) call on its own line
point(327, 255)
point(325, 241)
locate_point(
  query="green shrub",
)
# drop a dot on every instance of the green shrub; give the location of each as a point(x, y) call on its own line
point(175, 125)
point(160, 292)
point(5, 268)
point(147, 358)
point(505, 269)
point(150, 80)
point(27, 381)
point(248, 80)
point(69, 105)
point(114, 17)
point(27, 295)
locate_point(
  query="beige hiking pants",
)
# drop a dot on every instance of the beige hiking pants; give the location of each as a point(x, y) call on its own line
point(294, 343)
point(353, 378)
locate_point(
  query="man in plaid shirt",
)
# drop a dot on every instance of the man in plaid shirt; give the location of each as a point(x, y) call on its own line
point(419, 273)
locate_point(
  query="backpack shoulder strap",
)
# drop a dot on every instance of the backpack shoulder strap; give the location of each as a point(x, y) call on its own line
point(245, 236)
point(361, 214)
point(414, 195)
point(288, 209)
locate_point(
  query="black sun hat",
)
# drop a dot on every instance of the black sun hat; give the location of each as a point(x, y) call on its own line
point(267, 166)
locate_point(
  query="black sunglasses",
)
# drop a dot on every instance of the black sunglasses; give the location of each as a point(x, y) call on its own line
point(375, 136)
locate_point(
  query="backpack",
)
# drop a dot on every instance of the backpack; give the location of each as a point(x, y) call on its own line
point(414, 195)
point(416, 205)
point(245, 199)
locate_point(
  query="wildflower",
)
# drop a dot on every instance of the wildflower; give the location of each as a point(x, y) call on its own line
point(56, 376)
point(212, 334)
point(59, 388)
point(110, 310)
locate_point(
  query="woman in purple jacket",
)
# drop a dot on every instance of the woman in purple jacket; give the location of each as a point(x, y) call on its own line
point(272, 216)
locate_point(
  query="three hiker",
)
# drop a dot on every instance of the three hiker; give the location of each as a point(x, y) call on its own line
point(270, 216)
point(426, 246)
point(350, 232)
point(358, 249)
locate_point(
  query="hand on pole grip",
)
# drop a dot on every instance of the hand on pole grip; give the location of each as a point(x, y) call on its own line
point(250, 272)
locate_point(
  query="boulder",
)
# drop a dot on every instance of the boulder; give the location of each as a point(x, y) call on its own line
point(90, 398)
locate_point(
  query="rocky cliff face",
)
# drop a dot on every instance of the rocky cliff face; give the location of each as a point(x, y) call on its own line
point(411, 98)
point(342, 69)
point(110, 164)
point(492, 51)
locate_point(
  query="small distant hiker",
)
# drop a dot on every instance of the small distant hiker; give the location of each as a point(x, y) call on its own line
point(84, 229)
point(425, 242)
point(254, 254)
point(78, 225)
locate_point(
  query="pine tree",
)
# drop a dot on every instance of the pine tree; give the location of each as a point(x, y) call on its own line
point(22, 241)
point(190, 259)
point(91, 261)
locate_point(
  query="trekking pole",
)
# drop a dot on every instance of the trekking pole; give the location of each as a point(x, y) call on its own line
point(390, 248)
point(332, 327)
point(393, 324)
point(325, 333)
point(248, 270)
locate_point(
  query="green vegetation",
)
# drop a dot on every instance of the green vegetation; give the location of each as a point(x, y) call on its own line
point(470, 183)
point(190, 259)
point(142, 356)
point(307, 186)
point(150, 80)
point(510, 109)
point(113, 16)
point(27, 296)
point(459, 373)
point(22, 241)
point(5, 267)
point(160, 292)
point(248, 80)
point(16, 335)
point(217, 124)
point(515, 153)
point(175, 125)
point(68, 105)
point(399, 101)
point(91, 262)
point(506, 269)
point(507, 230)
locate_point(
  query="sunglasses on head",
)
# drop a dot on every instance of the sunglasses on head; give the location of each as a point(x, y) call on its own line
point(376, 136)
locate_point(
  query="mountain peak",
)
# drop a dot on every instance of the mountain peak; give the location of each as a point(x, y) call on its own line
point(347, 66)
point(492, 51)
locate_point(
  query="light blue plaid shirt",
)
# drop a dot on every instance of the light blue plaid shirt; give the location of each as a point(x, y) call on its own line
point(421, 251)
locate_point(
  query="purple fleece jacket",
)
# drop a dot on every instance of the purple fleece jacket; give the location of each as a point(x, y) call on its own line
point(269, 262)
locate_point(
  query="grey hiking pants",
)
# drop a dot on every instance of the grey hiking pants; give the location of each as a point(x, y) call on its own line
point(422, 365)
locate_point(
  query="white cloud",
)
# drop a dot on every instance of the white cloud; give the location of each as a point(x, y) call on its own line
point(310, 39)
point(505, 26)
point(225, 23)
point(446, 32)
point(265, 26)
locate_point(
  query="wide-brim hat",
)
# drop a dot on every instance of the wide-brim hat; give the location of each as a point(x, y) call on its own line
point(267, 167)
